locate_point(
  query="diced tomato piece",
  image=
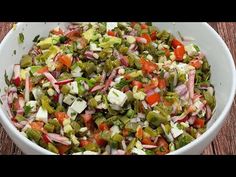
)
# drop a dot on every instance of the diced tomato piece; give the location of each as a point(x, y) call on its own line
point(84, 143)
point(161, 83)
point(103, 126)
point(42, 70)
point(111, 33)
point(45, 138)
point(176, 43)
point(153, 35)
point(137, 83)
point(152, 85)
point(61, 116)
point(63, 148)
point(167, 52)
point(99, 140)
point(139, 133)
point(196, 63)
point(147, 37)
point(163, 146)
point(199, 123)
point(37, 126)
point(154, 98)
point(66, 60)
point(147, 140)
point(148, 66)
point(179, 53)
point(144, 26)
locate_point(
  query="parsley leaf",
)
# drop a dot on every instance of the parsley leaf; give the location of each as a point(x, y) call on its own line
point(21, 38)
point(36, 38)
point(122, 83)
point(27, 109)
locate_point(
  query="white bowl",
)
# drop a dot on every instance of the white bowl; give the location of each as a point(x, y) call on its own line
point(217, 53)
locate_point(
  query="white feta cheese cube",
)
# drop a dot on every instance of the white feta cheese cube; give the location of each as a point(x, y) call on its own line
point(51, 92)
point(149, 57)
point(42, 115)
point(111, 25)
point(46, 84)
point(116, 97)
point(90, 153)
point(169, 136)
point(83, 129)
point(66, 122)
point(73, 87)
point(98, 98)
point(69, 99)
point(175, 131)
point(139, 145)
point(37, 92)
point(32, 104)
point(95, 55)
point(121, 71)
point(190, 49)
point(93, 47)
point(114, 129)
point(72, 113)
point(138, 151)
point(76, 72)
point(79, 105)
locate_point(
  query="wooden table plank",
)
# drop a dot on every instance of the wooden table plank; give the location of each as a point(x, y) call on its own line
point(224, 143)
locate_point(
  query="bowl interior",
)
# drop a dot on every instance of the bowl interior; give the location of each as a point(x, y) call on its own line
point(222, 66)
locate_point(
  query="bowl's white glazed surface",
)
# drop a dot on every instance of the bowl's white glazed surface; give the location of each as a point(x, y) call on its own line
point(216, 51)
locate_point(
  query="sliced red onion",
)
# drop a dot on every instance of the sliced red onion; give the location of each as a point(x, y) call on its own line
point(96, 88)
point(166, 75)
point(10, 98)
point(141, 40)
point(145, 105)
point(196, 97)
point(89, 54)
point(6, 106)
point(180, 117)
point(86, 87)
point(117, 55)
point(64, 82)
point(56, 56)
point(210, 90)
point(27, 90)
point(117, 152)
point(20, 111)
point(146, 146)
point(141, 115)
point(60, 98)
point(174, 108)
point(52, 80)
point(12, 89)
point(58, 138)
point(133, 32)
point(181, 89)
point(155, 140)
point(208, 112)
point(124, 61)
point(132, 47)
point(110, 79)
point(124, 146)
point(103, 78)
point(135, 120)
point(150, 92)
point(55, 74)
point(191, 77)
point(90, 112)
point(185, 97)
point(17, 125)
point(191, 120)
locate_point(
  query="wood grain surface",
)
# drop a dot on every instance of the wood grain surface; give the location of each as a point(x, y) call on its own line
point(224, 143)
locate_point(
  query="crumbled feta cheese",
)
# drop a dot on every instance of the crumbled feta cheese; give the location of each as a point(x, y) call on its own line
point(169, 136)
point(139, 145)
point(37, 92)
point(69, 99)
point(46, 84)
point(114, 129)
point(149, 57)
point(190, 49)
point(172, 56)
point(98, 98)
point(93, 47)
point(50, 92)
point(76, 72)
point(121, 71)
point(73, 87)
point(116, 97)
point(90, 153)
point(118, 79)
point(79, 105)
point(42, 115)
point(175, 131)
point(95, 55)
point(32, 104)
point(83, 129)
point(138, 151)
point(72, 113)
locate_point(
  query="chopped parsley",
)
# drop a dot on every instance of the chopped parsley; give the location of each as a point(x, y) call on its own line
point(122, 83)
point(36, 38)
point(27, 109)
point(6, 79)
point(21, 38)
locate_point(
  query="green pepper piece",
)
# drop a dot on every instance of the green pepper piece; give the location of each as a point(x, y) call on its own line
point(131, 126)
point(130, 113)
point(33, 134)
point(52, 148)
point(131, 145)
point(183, 140)
point(75, 126)
point(150, 131)
point(124, 119)
point(49, 127)
point(210, 99)
point(117, 137)
point(19, 118)
point(26, 61)
point(100, 120)
point(92, 103)
point(46, 104)
point(156, 118)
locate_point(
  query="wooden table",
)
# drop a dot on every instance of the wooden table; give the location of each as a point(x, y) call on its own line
point(224, 143)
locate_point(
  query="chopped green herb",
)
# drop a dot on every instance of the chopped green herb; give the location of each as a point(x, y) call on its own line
point(6, 79)
point(27, 109)
point(21, 38)
point(36, 38)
